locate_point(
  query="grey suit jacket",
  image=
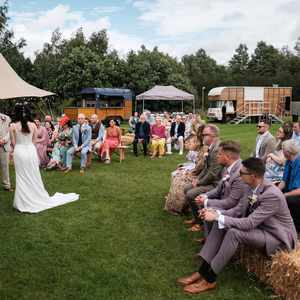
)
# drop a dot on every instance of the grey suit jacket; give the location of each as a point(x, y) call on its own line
point(271, 215)
point(212, 171)
point(229, 192)
point(86, 135)
point(4, 131)
point(267, 146)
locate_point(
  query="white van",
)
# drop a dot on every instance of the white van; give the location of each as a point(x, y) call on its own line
point(215, 109)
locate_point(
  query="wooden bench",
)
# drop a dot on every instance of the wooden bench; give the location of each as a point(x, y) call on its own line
point(122, 149)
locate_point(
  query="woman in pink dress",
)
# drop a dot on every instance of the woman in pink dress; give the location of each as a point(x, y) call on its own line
point(41, 143)
point(112, 139)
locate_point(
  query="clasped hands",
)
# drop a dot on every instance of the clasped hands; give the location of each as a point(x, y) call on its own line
point(208, 214)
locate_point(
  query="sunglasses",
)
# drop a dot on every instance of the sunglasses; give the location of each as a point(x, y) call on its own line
point(245, 173)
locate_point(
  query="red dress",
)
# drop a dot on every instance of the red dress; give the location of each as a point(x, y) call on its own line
point(112, 140)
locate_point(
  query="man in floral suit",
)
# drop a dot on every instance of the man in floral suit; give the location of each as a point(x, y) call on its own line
point(267, 225)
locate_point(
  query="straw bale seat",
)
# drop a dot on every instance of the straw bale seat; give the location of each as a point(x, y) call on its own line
point(281, 272)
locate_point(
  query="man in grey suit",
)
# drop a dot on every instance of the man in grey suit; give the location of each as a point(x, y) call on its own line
point(231, 189)
point(267, 225)
point(82, 134)
point(265, 141)
point(4, 150)
point(208, 177)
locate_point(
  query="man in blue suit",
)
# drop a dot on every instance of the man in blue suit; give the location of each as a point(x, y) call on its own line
point(82, 134)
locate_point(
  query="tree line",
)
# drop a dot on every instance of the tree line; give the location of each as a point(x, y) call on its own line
point(65, 66)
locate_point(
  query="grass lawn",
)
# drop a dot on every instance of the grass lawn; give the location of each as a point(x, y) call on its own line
point(116, 242)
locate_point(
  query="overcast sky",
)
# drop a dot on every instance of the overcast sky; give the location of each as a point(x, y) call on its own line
point(176, 26)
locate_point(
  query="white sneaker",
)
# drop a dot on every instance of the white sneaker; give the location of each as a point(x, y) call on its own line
point(180, 153)
point(168, 152)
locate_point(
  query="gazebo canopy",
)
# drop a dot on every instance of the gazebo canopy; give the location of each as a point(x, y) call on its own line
point(12, 86)
point(160, 92)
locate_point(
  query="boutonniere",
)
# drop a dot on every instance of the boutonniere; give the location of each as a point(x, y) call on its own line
point(252, 199)
point(226, 177)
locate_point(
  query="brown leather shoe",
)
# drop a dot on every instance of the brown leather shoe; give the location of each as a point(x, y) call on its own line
point(199, 286)
point(196, 228)
point(189, 279)
point(189, 222)
point(9, 189)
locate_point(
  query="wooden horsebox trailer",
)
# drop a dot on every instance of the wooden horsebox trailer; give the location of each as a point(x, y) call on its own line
point(107, 103)
point(245, 102)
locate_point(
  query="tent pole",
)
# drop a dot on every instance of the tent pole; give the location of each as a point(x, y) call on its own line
point(143, 105)
point(182, 106)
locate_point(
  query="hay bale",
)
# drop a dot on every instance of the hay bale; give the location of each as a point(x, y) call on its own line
point(256, 262)
point(281, 271)
point(284, 275)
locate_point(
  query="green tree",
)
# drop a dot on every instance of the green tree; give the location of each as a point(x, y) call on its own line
point(264, 63)
point(238, 65)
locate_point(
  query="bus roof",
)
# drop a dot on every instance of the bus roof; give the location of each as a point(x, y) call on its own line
point(126, 93)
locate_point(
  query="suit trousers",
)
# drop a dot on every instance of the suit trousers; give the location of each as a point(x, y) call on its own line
point(144, 143)
point(83, 157)
point(191, 193)
point(221, 244)
point(294, 207)
point(4, 160)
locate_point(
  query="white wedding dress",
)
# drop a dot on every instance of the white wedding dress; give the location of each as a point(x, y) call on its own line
point(30, 194)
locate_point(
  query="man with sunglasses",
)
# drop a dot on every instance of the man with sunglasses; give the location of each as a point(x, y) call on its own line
point(265, 141)
point(266, 225)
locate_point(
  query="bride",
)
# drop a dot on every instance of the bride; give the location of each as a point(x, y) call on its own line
point(30, 195)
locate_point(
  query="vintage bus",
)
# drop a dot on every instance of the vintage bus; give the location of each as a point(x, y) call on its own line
point(107, 103)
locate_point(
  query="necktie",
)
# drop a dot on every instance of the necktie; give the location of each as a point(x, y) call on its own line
point(80, 137)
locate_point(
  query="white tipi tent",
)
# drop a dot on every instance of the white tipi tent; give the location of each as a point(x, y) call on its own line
point(12, 86)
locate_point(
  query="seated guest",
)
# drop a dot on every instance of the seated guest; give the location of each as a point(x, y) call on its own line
point(184, 174)
point(158, 138)
point(177, 133)
point(296, 132)
point(290, 184)
point(133, 121)
point(276, 160)
point(41, 142)
point(141, 135)
point(63, 143)
point(48, 118)
point(208, 177)
point(231, 189)
point(168, 124)
point(265, 142)
point(188, 125)
point(50, 129)
point(196, 124)
point(112, 139)
point(81, 140)
point(192, 146)
point(98, 132)
point(267, 225)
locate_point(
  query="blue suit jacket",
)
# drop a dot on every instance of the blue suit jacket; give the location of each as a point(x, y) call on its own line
point(86, 135)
